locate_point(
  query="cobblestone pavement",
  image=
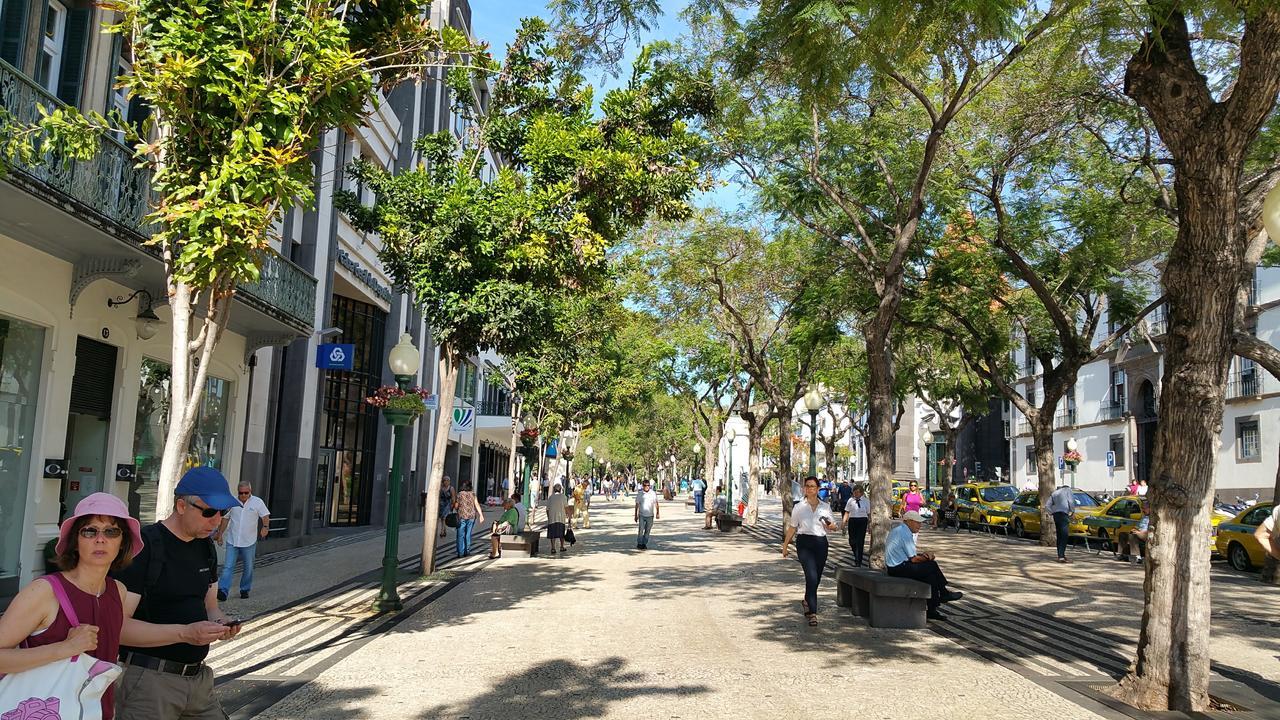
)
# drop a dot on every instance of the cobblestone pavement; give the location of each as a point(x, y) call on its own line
point(703, 624)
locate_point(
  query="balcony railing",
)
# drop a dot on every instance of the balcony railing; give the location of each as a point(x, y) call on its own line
point(1024, 427)
point(1111, 411)
point(495, 407)
point(113, 192)
point(1245, 384)
point(1066, 418)
point(1158, 321)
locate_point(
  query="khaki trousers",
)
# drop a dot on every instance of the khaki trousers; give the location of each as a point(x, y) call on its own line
point(145, 694)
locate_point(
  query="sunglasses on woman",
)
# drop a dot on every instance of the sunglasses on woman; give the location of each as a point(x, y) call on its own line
point(110, 533)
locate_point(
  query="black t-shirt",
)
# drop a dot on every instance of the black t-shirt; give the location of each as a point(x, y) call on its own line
point(178, 596)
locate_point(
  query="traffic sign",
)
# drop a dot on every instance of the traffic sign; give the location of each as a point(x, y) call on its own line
point(335, 356)
point(1062, 464)
point(1111, 458)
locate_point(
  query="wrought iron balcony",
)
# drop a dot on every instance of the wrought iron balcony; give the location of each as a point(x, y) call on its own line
point(1066, 418)
point(1158, 320)
point(1024, 427)
point(1245, 384)
point(500, 407)
point(1112, 411)
point(112, 193)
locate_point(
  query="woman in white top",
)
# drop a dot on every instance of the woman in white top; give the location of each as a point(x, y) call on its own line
point(811, 520)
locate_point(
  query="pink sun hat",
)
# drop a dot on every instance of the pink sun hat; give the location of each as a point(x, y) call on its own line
point(101, 503)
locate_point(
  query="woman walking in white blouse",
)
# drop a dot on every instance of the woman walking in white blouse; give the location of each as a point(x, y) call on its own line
point(811, 520)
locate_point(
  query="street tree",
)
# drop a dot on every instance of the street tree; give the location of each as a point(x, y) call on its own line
point(491, 262)
point(239, 95)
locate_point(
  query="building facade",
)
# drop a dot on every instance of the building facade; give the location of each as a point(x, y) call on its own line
point(83, 378)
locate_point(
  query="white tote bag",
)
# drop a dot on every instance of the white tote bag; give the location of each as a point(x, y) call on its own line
point(64, 690)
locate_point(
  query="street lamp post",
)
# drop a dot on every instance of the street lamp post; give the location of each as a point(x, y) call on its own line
point(403, 360)
point(697, 463)
point(591, 453)
point(1071, 447)
point(813, 402)
point(729, 435)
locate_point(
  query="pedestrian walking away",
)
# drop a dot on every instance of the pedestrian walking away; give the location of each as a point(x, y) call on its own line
point(98, 538)
point(901, 559)
point(1061, 503)
point(446, 502)
point(811, 520)
point(856, 517)
point(556, 518)
point(171, 608)
point(699, 493)
point(647, 510)
point(469, 512)
point(241, 529)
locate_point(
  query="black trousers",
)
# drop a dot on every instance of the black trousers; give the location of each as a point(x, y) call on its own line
point(812, 553)
point(926, 572)
point(1061, 528)
point(858, 538)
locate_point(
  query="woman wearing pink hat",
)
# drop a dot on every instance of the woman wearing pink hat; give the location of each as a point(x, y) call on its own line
point(98, 538)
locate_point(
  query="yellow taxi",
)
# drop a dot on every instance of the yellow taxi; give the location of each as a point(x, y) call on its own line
point(1119, 517)
point(984, 503)
point(1024, 517)
point(1235, 540)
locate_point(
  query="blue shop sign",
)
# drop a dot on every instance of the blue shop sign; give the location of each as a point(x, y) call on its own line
point(335, 356)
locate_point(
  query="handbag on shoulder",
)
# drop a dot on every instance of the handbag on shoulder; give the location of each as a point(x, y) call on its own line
point(70, 688)
point(451, 520)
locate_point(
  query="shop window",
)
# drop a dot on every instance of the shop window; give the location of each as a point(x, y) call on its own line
point(1115, 444)
point(151, 424)
point(21, 353)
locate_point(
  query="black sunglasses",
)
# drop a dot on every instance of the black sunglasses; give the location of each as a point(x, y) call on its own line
point(207, 512)
point(110, 533)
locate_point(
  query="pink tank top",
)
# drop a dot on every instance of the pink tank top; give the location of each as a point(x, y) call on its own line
point(106, 612)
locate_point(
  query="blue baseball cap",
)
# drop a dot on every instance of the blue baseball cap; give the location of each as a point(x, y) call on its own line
point(209, 485)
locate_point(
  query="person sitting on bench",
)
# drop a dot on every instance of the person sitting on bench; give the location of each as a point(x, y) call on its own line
point(506, 524)
point(1137, 542)
point(719, 506)
point(902, 560)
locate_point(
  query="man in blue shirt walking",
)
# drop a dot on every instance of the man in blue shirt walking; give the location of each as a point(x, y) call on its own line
point(902, 560)
point(699, 493)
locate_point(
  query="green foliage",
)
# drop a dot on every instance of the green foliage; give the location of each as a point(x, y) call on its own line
point(497, 265)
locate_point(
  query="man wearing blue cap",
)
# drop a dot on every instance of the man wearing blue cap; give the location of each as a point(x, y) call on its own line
point(171, 607)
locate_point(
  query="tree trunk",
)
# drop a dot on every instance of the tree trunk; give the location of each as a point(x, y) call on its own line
point(188, 372)
point(949, 459)
point(710, 453)
point(1204, 273)
point(1046, 471)
point(880, 435)
point(752, 517)
point(448, 374)
point(784, 467)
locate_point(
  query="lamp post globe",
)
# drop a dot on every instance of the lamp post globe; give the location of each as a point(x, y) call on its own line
point(591, 453)
point(1072, 444)
point(729, 435)
point(403, 361)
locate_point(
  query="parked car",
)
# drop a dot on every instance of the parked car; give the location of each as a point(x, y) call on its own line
point(1235, 540)
point(1025, 513)
point(985, 503)
point(1119, 517)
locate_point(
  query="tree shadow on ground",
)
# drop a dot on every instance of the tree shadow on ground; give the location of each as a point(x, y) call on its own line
point(348, 703)
point(560, 690)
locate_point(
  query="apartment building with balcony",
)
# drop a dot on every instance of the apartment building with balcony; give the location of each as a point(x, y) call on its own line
point(1114, 407)
point(83, 365)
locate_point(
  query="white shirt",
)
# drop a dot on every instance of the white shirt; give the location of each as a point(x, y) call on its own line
point(1272, 519)
point(1142, 490)
point(857, 507)
point(523, 513)
point(808, 521)
point(647, 503)
point(243, 522)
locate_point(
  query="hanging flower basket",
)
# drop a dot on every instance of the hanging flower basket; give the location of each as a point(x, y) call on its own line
point(529, 436)
point(399, 407)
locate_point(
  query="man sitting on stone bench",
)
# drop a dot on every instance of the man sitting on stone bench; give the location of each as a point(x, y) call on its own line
point(719, 506)
point(902, 560)
point(506, 524)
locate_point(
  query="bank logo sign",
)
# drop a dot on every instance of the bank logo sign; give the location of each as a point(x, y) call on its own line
point(463, 419)
point(335, 356)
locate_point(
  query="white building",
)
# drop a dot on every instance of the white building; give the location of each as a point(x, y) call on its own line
point(1114, 408)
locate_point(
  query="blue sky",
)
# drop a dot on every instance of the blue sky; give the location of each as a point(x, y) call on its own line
point(496, 21)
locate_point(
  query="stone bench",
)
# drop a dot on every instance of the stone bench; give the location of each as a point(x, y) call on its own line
point(888, 602)
point(729, 523)
point(525, 541)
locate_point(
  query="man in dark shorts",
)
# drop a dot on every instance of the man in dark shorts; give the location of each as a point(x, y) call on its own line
point(171, 608)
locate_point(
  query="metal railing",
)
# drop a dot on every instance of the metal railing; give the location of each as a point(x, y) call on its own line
point(1158, 321)
point(110, 187)
point(1111, 411)
point(1066, 418)
point(1245, 384)
point(494, 407)
point(1024, 427)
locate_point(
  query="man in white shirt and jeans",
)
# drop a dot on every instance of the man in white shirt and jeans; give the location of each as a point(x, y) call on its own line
point(646, 511)
point(241, 529)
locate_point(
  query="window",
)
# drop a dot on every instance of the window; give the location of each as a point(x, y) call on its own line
point(1123, 508)
point(1117, 388)
point(1248, 440)
point(1115, 444)
point(120, 95)
point(53, 35)
point(21, 365)
point(1256, 515)
point(1031, 460)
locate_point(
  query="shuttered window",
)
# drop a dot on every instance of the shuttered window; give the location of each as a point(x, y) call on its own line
point(13, 30)
point(94, 384)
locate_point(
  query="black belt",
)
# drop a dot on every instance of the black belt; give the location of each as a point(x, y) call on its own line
point(166, 666)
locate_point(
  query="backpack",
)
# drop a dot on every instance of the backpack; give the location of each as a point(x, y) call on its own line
point(154, 540)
